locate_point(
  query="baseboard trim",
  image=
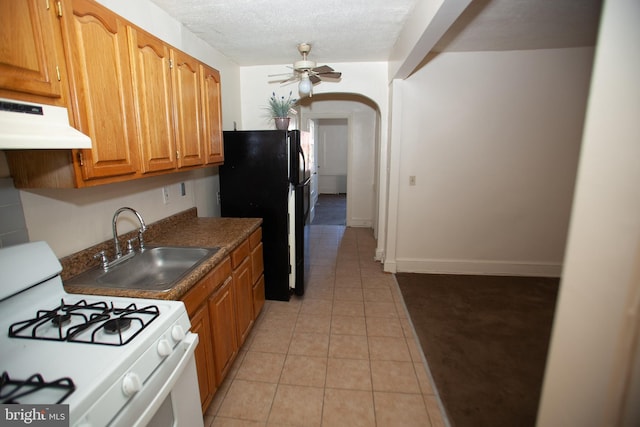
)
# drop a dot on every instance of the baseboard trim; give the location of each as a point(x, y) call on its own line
point(390, 266)
point(487, 268)
point(359, 223)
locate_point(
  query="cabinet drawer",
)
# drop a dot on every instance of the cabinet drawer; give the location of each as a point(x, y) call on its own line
point(240, 253)
point(201, 291)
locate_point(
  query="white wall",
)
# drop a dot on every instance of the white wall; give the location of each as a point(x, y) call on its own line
point(71, 220)
point(493, 141)
point(592, 377)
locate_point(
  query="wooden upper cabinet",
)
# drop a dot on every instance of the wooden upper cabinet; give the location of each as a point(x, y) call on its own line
point(148, 108)
point(211, 115)
point(32, 57)
point(186, 92)
point(151, 65)
point(101, 87)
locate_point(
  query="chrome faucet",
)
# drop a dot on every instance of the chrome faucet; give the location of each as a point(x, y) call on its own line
point(141, 230)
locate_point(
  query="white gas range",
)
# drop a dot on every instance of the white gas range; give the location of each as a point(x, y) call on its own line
point(114, 361)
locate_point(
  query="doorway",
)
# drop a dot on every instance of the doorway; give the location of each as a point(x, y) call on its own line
point(345, 130)
point(331, 147)
point(331, 209)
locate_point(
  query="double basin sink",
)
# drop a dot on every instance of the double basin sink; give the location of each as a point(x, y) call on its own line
point(153, 269)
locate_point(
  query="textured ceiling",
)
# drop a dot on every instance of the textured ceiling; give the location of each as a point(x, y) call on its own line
point(260, 32)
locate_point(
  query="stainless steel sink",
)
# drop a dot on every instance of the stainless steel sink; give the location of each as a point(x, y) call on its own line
point(155, 269)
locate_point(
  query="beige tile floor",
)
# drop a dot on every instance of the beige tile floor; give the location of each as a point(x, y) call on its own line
point(345, 354)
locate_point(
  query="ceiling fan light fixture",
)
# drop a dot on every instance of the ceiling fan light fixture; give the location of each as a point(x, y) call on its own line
point(307, 73)
point(305, 87)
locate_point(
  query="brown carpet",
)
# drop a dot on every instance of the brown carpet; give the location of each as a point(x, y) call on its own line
point(485, 339)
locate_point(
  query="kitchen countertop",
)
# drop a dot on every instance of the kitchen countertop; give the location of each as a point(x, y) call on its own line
point(184, 229)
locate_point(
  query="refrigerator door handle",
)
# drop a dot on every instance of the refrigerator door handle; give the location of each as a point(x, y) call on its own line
point(300, 174)
point(304, 161)
point(303, 184)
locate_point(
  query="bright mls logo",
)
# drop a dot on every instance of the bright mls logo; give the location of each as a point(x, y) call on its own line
point(34, 415)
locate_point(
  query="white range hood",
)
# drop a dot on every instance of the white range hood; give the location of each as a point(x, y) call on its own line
point(25, 125)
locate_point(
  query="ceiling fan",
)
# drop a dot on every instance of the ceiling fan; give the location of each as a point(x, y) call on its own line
point(306, 72)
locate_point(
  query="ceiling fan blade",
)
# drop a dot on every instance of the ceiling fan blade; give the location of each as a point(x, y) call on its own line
point(323, 69)
point(334, 75)
point(281, 74)
point(330, 80)
point(287, 80)
point(290, 79)
point(314, 79)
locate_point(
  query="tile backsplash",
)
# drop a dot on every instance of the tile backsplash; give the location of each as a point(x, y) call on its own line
point(13, 228)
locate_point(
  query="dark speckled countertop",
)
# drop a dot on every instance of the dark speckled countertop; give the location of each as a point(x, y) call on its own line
point(183, 229)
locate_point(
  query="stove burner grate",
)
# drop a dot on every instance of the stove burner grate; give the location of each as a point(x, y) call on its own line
point(60, 320)
point(12, 390)
point(87, 322)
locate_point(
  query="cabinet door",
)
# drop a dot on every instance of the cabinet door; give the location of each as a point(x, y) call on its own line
point(258, 296)
point(222, 313)
point(186, 93)
point(101, 86)
point(204, 355)
point(244, 299)
point(211, 115)
point(257, 268)
point(257, 262)
point(32, 57)
point(150, 60)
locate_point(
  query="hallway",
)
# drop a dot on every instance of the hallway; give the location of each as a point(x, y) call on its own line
point(345, 354)
point(331, 209)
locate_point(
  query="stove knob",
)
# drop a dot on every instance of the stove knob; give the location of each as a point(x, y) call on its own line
point(131, 384)
point(177, 333)
point(164, 348)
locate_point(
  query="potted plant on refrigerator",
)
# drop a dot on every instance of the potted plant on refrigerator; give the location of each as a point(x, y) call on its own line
point(279, 108)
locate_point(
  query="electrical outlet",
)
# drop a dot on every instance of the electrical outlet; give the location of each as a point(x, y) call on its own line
point(412, 180)
point(165, 195)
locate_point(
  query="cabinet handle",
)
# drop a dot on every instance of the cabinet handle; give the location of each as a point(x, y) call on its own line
point(59, 8)
point(58, 72)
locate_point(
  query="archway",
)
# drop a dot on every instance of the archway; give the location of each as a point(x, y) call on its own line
point(362, 121)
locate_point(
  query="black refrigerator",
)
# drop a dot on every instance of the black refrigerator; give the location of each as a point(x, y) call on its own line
point(266, 174)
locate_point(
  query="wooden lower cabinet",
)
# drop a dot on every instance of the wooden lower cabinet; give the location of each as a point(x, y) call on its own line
point(240, 262)
point(225, 343)
point(258, 295)
point(257, 270)
point(205, 323)
point(201, 325)
point(222, 308)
